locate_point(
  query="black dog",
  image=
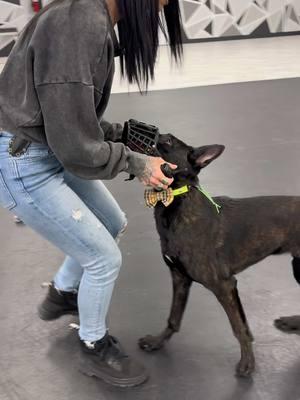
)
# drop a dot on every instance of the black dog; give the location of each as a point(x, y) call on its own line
point(199, 244)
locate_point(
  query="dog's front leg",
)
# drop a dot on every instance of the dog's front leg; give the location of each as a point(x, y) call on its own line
point(181, 288)
point(227, 294)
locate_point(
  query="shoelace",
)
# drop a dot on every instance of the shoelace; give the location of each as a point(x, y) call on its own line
point(111, 346)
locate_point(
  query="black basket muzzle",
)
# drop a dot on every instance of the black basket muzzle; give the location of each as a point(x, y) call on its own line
point(141, 137)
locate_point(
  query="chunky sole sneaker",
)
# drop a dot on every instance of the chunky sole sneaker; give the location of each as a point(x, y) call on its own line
point(109, 363)
point(57, 303)
point(87, 367)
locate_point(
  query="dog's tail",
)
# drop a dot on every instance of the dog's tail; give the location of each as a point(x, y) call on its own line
point(296, 268)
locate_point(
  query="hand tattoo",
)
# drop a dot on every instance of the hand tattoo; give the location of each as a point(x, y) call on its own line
point(146, 174)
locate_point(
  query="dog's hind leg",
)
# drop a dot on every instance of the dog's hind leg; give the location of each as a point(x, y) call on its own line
point(227, 294)
point(296, 268)
point(181, 289)
point(291, 324)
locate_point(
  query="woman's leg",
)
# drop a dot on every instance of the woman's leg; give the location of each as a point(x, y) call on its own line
point(101, 202)
point(33, 187)
point(44, 201)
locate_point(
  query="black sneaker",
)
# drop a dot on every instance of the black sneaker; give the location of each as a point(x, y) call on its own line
point(57, 303)
point(106, 360)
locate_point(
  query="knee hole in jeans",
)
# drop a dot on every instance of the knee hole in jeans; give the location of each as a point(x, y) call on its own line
point(122, 230)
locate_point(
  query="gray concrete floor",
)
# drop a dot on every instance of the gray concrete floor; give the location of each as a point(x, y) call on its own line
point(259, 123)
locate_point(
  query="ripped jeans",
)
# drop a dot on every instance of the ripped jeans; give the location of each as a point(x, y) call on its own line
point(78, 216)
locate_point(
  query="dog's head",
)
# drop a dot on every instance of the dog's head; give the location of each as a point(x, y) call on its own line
point(190, 160)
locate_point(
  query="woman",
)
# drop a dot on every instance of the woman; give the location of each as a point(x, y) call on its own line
point(55, 146)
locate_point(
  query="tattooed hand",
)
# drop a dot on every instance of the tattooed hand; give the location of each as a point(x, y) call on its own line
point(152, 174)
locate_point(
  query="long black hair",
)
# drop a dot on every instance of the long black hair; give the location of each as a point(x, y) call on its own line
point(138, 35)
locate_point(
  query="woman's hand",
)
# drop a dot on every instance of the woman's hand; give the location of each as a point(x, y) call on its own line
point(152, 174)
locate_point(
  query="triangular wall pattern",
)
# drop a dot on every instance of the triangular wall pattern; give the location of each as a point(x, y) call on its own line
point(240, 17)
point(202, 19)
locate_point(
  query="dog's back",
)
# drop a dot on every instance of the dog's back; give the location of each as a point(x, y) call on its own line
point(256, 227)
point(242, 234)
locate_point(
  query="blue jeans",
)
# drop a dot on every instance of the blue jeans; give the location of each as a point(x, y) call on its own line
point(79, 217)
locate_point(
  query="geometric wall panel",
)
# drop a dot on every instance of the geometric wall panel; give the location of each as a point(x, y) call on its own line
point(202, 19)
point(209, 19)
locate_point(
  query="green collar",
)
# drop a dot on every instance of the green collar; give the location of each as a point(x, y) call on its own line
point(182, 190)
point(186, 188)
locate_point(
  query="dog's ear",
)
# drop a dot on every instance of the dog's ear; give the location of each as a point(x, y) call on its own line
point(201, 156)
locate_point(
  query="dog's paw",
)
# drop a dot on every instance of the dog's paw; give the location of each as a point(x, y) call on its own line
point(245, 367)
point(288, 324)
point(150, 343)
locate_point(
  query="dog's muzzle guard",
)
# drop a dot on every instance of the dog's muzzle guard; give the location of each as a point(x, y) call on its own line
point(141, 137)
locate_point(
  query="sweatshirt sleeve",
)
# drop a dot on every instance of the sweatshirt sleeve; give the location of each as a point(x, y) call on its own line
point(76, 137)
point(112, 131)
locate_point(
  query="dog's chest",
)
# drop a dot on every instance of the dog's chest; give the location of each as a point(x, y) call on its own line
point(184, 230)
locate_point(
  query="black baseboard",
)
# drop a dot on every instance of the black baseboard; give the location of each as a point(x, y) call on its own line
point(239, 37)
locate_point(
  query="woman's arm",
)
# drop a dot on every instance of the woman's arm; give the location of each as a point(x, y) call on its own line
point(112, 131)
point(76, 137)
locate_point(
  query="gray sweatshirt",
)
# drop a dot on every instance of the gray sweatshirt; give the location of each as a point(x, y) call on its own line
point(55, 87)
